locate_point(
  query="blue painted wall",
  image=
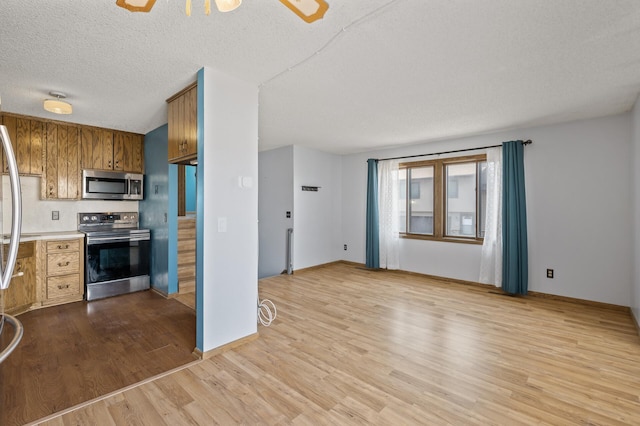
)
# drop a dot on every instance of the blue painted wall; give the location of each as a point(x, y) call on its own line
point(190, 188)
point(154, 207)
point(173, 229)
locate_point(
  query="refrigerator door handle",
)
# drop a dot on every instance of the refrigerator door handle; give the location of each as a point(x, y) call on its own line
point(17, 336)
point(16, 208)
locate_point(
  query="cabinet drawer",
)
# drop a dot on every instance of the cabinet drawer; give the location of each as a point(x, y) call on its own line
point(63, 286)
point(63, 245)
point(62, 263)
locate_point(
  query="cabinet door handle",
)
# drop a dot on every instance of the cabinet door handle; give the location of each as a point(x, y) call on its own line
point(61, 247)
point(63, 264)
point(61, 287)
point(19, 274)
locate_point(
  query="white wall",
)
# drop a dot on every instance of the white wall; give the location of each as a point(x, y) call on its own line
point(230, 258)
point(635, 166)
point(275, 198)
point(578, 206)
point(317, 216)
point(36, 213)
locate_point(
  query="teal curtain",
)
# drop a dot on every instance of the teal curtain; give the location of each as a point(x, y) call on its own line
point(373, 233)
point(515, 264)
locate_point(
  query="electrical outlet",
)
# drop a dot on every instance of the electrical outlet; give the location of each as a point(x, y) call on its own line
point(55, 215)
point(549, 273)
point(288, 215)
point(345, 247)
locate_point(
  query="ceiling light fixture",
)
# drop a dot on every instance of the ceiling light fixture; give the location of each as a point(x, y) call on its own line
point(136, 5)
point(227, 5)
point(57, 106)
point(308, 10)
point(146, 5)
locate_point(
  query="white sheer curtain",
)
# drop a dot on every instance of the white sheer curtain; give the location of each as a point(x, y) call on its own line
point(491, 261)
point(388, 214)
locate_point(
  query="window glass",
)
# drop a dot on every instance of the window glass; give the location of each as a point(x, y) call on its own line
point(443, 199)
point(460, 204)
point(402, 199)
point(482, 198)
point(421, 200)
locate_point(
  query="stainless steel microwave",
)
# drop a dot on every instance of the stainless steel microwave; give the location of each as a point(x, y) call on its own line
point(105, 185)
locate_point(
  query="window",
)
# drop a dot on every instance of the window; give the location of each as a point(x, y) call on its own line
point(443, 199)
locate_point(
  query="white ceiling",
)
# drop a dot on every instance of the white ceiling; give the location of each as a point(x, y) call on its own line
point(371, 74)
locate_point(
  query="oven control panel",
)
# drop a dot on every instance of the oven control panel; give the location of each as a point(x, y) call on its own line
point(125, 219)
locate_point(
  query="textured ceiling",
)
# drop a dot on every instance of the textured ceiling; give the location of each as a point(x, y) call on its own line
point(371, 74)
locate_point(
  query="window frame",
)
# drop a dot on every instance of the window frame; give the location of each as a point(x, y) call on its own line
point(439, 201)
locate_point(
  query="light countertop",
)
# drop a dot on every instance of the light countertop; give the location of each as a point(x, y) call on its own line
point(35, 236)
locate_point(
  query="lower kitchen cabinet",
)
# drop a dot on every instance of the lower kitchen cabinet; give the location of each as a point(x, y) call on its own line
point(21, 295)
point(61, 271)
point(47, 273)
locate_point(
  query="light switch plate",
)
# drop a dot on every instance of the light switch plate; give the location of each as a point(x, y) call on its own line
point(222, 224)
point(55, 215)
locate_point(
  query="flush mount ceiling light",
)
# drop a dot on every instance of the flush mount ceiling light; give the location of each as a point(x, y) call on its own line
point(308, 10)
point(57, 106)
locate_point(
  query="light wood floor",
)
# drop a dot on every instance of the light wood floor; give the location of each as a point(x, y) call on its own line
point(352, 347)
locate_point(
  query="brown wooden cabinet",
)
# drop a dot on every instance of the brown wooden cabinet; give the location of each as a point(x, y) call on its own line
point(96, 148)
point(183, 125)
point(58, 151)
point(128, 152)
point(27, 138)
point(61, 179)
point(62, 264)
point(21, 294)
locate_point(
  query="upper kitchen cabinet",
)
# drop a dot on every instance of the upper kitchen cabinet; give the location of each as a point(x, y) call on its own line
point(128, 152)
point(61, 179)
point(97, 148)
point(104, 149)
point(183, 125)
point(27, 138)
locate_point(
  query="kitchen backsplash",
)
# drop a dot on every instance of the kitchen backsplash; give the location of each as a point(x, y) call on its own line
point(36, 213)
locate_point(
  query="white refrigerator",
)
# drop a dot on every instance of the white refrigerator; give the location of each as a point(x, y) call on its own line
point(10, 327)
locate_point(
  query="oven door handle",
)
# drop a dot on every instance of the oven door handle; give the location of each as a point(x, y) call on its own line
point(101, 240)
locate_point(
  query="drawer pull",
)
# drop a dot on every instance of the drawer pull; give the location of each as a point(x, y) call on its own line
point(61, 264)
point(63, 247)
point(62, 287)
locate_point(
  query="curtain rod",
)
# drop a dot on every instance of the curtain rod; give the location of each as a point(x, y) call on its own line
point(527, 142)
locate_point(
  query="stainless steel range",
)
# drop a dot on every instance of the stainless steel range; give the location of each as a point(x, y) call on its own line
point(116, 254)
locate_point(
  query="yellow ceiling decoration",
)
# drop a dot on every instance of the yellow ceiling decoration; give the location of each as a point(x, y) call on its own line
point(308, 10)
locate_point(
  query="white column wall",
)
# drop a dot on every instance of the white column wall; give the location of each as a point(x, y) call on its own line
point(635, 167)
point(230, 256)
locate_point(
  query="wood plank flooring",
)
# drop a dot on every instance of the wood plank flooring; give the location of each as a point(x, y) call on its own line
point(76, 352)
point(351, 346)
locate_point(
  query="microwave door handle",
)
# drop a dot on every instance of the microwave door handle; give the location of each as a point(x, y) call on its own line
point(16, 208)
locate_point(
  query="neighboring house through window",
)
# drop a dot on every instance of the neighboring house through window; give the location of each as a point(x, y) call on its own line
point(443, 199)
